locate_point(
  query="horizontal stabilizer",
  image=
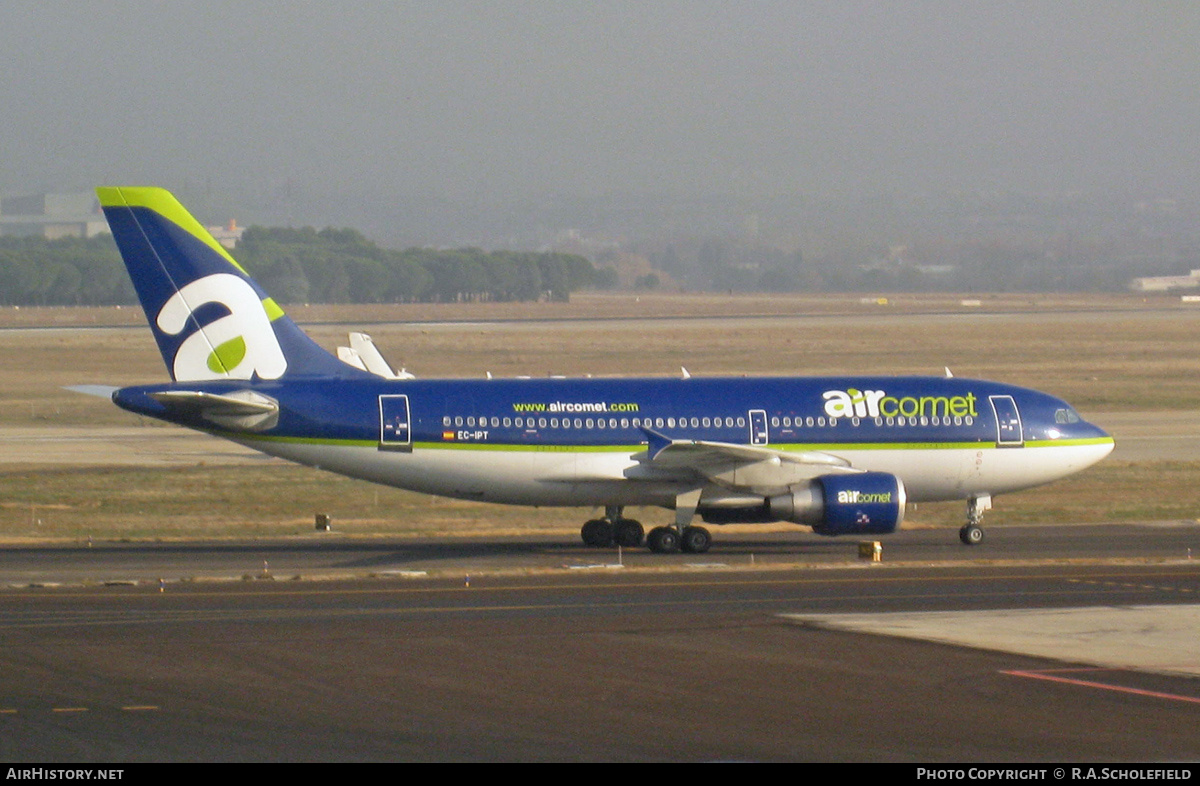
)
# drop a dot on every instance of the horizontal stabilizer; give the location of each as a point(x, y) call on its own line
point(242, 410)
point(101, 391)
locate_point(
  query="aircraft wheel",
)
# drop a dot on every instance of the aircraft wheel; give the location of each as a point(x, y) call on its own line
point(598, 532)
point(630, 533)
point(971, 534)
point(663, 540)
point(695, 540)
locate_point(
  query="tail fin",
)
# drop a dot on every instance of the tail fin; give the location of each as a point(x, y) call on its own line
point(210, 319)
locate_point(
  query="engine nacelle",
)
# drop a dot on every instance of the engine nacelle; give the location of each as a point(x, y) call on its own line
point(864, 503)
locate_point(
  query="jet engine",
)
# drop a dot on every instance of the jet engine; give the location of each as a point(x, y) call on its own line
point(863, 503)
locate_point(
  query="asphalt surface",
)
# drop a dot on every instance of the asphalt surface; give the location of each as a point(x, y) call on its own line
point(1055, 643)
point(770, 649)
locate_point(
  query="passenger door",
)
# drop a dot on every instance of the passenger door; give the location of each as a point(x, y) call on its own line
point(1008, 422)
point(395, 430)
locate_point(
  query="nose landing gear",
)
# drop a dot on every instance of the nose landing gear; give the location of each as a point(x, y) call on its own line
point(971, 532)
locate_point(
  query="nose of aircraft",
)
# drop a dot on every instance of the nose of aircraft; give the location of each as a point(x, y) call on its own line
point(1098, 441)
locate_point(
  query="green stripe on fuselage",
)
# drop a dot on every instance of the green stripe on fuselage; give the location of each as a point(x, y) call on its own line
point(811, 447)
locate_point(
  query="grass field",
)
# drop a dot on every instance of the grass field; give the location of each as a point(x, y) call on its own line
point(1105, 354)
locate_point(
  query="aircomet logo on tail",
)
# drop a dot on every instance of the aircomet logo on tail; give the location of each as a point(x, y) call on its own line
point(726, 450)
point(239, 345)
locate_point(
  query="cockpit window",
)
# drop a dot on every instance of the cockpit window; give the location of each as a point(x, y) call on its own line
point(1065, 416)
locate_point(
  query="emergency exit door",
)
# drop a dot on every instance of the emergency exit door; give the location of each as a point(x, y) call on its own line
point(758, 427)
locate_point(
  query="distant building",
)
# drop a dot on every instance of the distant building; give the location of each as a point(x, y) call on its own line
point(1166, 283)
point(52, 215)
point(227, 236)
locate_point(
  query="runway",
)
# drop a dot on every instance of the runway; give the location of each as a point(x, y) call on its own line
point(570, 661)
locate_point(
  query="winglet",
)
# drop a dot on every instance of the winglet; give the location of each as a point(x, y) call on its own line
point(657, 442)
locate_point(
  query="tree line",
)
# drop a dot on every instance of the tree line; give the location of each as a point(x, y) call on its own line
point(300, 266)
point(66, 272)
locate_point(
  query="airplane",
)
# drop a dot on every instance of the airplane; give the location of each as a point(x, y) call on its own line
point(841, 454)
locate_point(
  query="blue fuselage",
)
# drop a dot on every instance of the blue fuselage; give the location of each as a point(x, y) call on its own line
point(943, 436)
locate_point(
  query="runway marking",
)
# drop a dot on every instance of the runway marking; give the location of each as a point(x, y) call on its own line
point(1049, 677)
point(155, 614)
point(282, 614)
point(262, 590)
point(1130, 585)
point(129, 708)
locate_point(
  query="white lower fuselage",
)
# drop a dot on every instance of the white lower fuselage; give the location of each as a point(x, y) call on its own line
point(582, 478)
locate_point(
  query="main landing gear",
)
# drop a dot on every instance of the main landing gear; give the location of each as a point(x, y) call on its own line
point(668, 540)
point(613, 530)
point(616, 530)
point(971, 533)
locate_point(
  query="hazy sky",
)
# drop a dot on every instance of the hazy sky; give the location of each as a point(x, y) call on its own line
point(520, 99)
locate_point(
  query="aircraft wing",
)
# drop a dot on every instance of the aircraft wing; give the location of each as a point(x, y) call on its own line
point(748, 467)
